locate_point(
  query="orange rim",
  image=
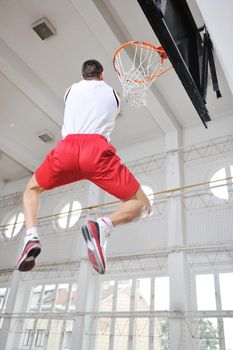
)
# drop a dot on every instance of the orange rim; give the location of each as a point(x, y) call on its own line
point(143, 44)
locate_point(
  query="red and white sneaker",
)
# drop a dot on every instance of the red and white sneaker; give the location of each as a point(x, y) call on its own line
point(31, 250)
point(96, 241)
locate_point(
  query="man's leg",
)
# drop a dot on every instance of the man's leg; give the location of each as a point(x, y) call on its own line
point(31, 248)
point(31, 199)
point(137, 206)
point(97, 233)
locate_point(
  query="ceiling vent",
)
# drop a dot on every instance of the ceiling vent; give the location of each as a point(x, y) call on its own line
point(43, 28)
point(46, 137)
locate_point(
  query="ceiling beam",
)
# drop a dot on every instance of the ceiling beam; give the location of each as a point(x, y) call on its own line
point(18, 151)
point(30, 84)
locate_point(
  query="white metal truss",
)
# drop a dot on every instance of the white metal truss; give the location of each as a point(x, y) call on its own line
point(206, 149)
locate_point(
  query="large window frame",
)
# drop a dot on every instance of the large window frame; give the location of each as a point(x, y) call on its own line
point(135, 323)
point(217, 314)
point(41, 331)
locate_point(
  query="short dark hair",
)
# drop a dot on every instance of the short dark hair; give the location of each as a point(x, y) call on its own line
point(91, 69)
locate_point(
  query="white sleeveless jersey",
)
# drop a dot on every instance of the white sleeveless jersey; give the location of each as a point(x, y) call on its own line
point(91, 107)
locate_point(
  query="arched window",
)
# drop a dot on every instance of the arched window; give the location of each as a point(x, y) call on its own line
point(69, 214)
point(14, 225)
point(220, 189)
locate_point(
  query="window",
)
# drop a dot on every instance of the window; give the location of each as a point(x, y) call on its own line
point(107, 292)
point(35, 300)
point(139, 331)
point(14, 225)
point(214, 292)
point(50, 332)
point(27, 337)
point(69, 214)
point(226, 289)
point(220, 189)
point(54, 334)
point(73, 297)
point(124, 295)
point(53, 298)
point(209, 334)
point(48, 297)
point(142, 294)
point(205, 290)
point(39, 338)
point(228, 326)
point(162, 295)
point(62, 297)
point(4, 292)
point(67, 340)
point(68, 334)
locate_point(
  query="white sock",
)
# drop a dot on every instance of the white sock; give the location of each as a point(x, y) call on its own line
point(31, 232)
point(106, 223)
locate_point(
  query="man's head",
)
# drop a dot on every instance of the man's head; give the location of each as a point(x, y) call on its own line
point(92, 70)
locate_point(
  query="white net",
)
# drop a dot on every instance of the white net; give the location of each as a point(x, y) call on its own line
point(138, 73)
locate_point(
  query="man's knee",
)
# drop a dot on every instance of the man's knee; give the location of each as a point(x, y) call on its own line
point(141, 196)
point(33, 185)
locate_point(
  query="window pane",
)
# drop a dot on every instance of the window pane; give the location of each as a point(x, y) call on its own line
point(76, 212)
point(54, 335)
point(226, 288)
point(35, 299)
point(63, 217)
point(106, 296)
point(149, 192)
point(62, 297)
point(15, 224)
point(141, 333)
point(73, 297)
point(228, 327)
point(220, 192)
point(103, 333)
point(124, 295)
point(2, 298)
point(27, 332)
point(1, 322)
point(208, 334)
point(48, 297)
point(27, 337)
point(205, 292)
point(19, 224)
point(40, 332)
point(69, 214)
point(121, 334)
point(162, 295)
point(142, 294)
point(68, 334)
point(161, 329)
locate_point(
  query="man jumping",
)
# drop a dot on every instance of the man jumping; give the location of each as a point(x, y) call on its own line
point(85, 153)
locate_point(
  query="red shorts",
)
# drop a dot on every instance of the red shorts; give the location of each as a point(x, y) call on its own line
point(87, 157)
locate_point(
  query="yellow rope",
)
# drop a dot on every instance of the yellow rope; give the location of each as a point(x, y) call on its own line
point(91, 207)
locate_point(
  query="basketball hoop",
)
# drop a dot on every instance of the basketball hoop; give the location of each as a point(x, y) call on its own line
point(137, 75)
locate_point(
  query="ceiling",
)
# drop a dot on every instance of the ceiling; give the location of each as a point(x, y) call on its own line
point(34, 75)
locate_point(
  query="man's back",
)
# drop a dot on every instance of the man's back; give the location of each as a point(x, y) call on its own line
point(91, 108)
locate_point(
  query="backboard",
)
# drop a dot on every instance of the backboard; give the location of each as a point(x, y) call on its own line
point(175, 28)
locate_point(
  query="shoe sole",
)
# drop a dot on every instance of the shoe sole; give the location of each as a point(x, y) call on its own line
point(27, 262)
point(93, 248)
